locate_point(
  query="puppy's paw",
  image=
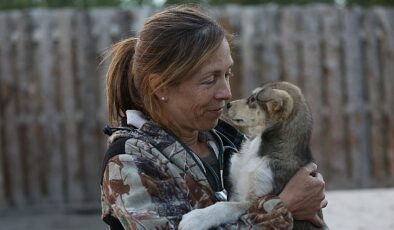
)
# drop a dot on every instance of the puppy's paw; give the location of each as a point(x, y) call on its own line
point(196, 220)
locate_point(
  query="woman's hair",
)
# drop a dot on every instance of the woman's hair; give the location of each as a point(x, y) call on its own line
point(172, 45)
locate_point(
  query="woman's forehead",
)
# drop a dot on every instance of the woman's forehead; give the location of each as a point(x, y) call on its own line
point(220, 59)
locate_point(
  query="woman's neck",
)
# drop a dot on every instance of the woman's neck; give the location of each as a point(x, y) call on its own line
point(188, 138)
point(194, 139)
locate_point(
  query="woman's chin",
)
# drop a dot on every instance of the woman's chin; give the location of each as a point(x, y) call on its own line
point(211, 124)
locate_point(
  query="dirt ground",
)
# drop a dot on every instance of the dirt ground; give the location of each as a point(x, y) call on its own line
point(53, 221)
point(371, 209)
point(347, 210)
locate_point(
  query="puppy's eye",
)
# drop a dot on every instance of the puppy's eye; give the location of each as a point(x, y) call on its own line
point(251, 101)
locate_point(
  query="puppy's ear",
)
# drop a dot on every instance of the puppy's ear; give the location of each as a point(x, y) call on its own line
point(274, 106)
point(276, 100)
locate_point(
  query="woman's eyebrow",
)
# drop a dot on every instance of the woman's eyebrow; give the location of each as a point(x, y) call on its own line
point(216, 69)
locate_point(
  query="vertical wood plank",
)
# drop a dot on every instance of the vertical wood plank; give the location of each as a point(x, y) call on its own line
point(13, 161)
point(357, 122)
point(375, 109)
point(20, 113)
point(50, 116)
point(386, 18)
point(28, 104)
point(336, 174)
point(258, 45)
point(92, 87)
point(66, 26)
point(270, 56)
point(250, 74)
point(290, 46)
point(312, 78)
point(3, 100)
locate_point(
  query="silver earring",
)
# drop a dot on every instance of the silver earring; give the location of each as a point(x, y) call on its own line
point(162, 98)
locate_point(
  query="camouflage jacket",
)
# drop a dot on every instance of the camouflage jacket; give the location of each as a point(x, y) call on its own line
point(152, 179)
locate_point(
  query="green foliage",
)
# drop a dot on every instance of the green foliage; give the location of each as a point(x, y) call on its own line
point(5, 4)
point(371, 2)
point(21, 4)
point(13, 4)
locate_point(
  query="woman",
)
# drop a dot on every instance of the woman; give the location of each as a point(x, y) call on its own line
point(168, 87)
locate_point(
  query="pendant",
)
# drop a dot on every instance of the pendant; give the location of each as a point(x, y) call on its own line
point(221, 196)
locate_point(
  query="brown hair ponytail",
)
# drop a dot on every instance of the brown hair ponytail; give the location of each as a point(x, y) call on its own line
point(121, 93)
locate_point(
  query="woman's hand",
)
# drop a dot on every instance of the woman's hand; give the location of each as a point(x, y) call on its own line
point(304, 195)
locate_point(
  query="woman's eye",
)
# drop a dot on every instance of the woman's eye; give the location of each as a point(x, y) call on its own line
point(209, 81)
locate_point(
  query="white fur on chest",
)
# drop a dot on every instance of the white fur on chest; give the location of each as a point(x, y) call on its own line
point(250, 174)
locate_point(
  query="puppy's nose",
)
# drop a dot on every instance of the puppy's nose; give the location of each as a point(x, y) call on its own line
point(228, 105)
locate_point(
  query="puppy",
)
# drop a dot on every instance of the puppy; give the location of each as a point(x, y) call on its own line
point(278, 119)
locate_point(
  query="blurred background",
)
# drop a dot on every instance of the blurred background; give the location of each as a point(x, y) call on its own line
point(52, 98)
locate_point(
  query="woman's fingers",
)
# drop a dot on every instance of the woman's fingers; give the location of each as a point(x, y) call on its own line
point(318, 181)
point(310, 168)
point(319, 176)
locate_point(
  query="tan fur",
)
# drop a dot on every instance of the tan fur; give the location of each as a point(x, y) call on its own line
point(252, 120)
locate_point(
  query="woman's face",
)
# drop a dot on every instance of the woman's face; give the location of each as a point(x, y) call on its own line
point(198, 102)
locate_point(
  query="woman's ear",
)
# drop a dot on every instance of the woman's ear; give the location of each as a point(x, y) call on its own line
point(154, 84)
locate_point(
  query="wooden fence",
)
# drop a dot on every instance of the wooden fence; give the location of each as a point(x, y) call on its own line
point(53, 98)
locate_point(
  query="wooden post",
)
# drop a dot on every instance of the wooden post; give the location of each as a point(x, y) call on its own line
point(50, 114)
point(3, 100)
point(334, 147)
point(250, 75)
point(374, 82)
point(269, 38)
point(29, 104)
point(93, 87)
point(312, 78)
point(74, 181)
point(290, 44)
point(355, 107)
point(13, 170)
point(386, 17)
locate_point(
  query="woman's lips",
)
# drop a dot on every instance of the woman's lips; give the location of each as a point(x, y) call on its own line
point(217, 112)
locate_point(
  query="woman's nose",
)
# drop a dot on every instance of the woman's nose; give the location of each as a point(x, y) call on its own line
point(224, 92)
